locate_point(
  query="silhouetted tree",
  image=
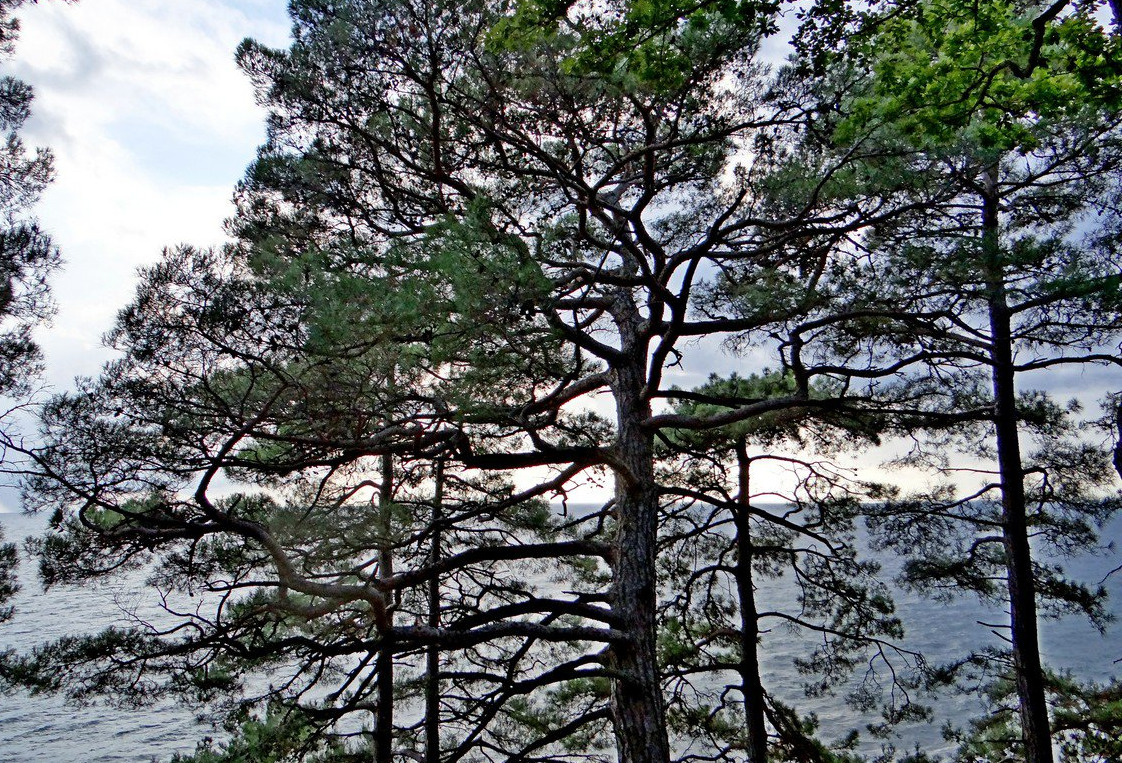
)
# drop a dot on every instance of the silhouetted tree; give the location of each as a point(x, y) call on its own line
point(471, 227)
point(746, 557)
point(27, 257)
point(1004, 120)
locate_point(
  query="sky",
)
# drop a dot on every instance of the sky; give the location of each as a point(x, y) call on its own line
point(151, 124)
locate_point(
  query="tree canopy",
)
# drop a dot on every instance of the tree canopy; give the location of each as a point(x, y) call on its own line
point(27, 257)
point(480, 251)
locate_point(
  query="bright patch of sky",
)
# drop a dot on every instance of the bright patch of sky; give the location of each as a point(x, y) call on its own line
point(151, 124)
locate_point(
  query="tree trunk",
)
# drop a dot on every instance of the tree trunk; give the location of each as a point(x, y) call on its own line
point(432, 655)
point(750, 684)
point(1118, 434)
point(636, 697)
point(383, 725)
point(1018, 555)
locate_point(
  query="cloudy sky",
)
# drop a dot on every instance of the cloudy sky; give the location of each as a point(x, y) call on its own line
point(151, 124)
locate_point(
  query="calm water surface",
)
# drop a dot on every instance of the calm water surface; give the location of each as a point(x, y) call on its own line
point(47, 730)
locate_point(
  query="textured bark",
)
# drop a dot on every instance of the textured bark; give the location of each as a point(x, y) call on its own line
point(383, 725)
point(636, 696)
point(1035, 731)
point(432, 653)
point(750, 683)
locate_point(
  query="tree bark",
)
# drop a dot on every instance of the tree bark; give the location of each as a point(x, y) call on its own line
point(750, 684)
point(1117, 460)
point(383, 725)
point(432, 653)
point(636, 696)
point(1028, 670)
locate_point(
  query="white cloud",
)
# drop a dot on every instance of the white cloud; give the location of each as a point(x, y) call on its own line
point(152, 124)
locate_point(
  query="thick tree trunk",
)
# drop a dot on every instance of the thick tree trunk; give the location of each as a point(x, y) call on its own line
point(750, 684)
point(383, 724)
point(636, 697)
point(1035, 729)
point(432, 655)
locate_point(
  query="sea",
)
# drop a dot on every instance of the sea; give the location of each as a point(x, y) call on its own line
point(46, 729)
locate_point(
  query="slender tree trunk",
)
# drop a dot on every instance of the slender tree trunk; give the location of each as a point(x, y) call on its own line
point(432, 654)
point(750, 684)
point(383, 725)
point(1118, 433)
point(636, 697)
point(1018, 555)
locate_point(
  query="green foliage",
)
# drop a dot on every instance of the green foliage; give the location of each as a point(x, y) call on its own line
point(279, 735)
point(726, 393)
point(799, 739)
point(949, 73)
point(9, 585)
point(675, 645)
point(1086, 722)
point(27, 255)
point(66, 555)
point(953, 548)
point(818, 423)
point(656, 46)
point(541, 721)
point(70, 665)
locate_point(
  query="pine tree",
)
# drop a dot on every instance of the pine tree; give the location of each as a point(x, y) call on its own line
point(471, 228)
point(27, 258)
point(1003, 119)
point(793, 533)
point(27, 255)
